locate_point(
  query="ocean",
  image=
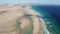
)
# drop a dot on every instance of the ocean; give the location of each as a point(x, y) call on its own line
point(51, 16)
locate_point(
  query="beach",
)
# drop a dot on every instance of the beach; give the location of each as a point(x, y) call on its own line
point(9, 13)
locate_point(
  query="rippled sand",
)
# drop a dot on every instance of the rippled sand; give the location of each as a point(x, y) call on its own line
point(10, 13)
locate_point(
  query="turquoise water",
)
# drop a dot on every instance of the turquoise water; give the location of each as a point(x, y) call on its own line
point(50, 23)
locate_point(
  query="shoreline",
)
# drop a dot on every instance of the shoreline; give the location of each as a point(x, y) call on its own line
point(44, 26)
point(12, 13)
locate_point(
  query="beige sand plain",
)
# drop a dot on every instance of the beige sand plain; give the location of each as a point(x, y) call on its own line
point(9, 14)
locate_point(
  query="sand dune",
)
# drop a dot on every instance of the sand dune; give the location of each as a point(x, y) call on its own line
point(10, 13)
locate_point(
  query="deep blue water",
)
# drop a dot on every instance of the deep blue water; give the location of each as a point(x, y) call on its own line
point(54, 12)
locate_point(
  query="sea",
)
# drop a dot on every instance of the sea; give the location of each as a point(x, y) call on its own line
point(51, 16)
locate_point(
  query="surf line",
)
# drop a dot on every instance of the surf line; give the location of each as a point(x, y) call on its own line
point(44, 29)
point(42, 23)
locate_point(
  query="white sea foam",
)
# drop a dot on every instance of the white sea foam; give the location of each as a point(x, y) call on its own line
point(44, 27)
point(44, 30)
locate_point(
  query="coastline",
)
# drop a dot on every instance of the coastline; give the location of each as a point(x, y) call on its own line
point(43, 25)
point(14, 11)
point(10, 16)
point(51, 23)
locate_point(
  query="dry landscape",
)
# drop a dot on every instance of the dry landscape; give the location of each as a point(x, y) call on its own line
point(14, 21)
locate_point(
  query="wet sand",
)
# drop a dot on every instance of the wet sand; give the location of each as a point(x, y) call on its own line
point(8, 16)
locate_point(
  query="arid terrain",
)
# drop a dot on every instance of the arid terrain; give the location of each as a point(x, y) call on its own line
point(13, 19)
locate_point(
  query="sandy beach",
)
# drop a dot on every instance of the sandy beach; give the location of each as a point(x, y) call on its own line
point(9, 13)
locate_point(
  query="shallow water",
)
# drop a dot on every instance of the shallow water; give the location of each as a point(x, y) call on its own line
point(50, 22)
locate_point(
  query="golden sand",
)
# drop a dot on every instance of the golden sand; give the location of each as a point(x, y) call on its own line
point(9, 14)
